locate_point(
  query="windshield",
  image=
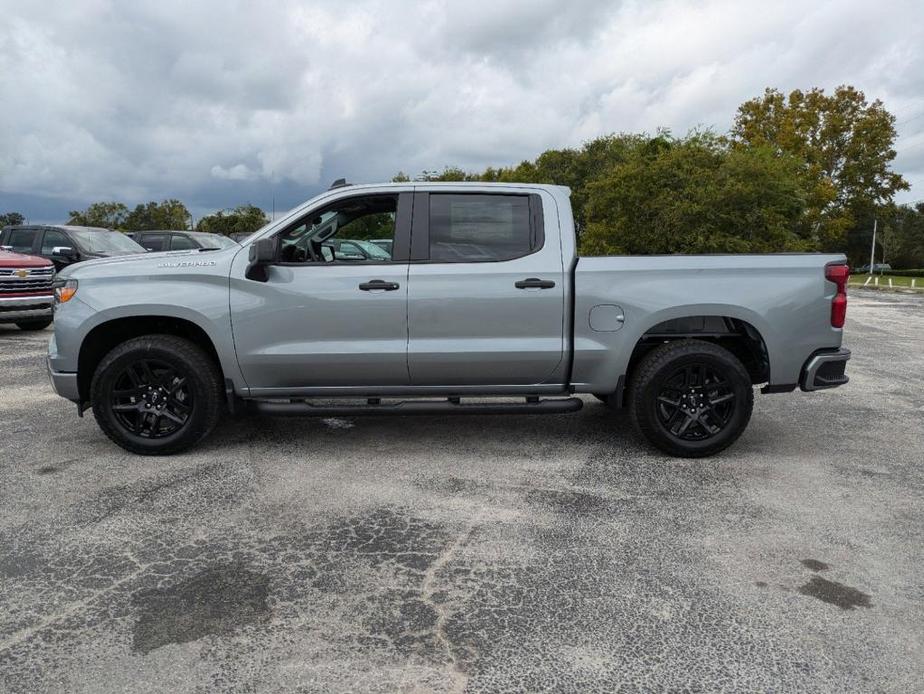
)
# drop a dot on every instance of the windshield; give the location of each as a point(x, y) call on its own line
point(214, 240)
point(105, 242)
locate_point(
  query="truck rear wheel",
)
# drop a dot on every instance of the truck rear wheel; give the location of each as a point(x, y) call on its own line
point(690, 398)
point(157, 394)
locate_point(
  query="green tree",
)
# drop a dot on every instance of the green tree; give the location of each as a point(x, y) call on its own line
point(11, 219)
point(901, 237)
point(578, 168)
point(108, 215)
point(169, 214)
point(449, 173)
point(803, 171)
point(243, 219)
point(696, 195)
point(372, 226)
point(574, 168)
point(845, 144)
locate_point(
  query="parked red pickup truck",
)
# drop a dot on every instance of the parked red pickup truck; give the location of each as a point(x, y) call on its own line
point(26, 293)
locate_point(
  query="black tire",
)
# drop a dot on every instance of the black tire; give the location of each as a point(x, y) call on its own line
point(157, 395)
point(30, 325)
point(682, 417)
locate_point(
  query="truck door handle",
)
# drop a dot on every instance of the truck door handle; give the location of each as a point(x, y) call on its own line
point(534, 283)
point(372, 285)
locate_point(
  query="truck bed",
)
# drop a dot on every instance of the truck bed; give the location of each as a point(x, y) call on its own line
point(784, 297)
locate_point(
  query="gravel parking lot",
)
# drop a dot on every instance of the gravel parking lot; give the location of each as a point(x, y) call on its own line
point(478, 553)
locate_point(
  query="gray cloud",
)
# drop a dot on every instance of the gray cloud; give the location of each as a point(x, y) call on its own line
point(221, 102)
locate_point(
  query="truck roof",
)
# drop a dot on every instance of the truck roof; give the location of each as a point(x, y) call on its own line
point(65, 227)
point(451, 184)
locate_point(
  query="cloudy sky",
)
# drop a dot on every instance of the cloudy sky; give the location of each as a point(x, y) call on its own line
point(218, 102)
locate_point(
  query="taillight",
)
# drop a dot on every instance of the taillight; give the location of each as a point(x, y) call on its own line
point(838, 274)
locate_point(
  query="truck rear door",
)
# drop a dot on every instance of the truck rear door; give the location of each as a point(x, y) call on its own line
point(486, 289)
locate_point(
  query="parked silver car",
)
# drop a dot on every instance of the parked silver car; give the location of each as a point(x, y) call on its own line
point(179, 240)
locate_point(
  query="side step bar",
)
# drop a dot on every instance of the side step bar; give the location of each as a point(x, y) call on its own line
point(303, 408)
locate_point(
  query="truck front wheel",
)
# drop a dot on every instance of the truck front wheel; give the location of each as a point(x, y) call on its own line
point(690, 398)
point(157, 394)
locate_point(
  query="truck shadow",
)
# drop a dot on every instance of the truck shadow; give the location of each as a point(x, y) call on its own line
point(594, 425)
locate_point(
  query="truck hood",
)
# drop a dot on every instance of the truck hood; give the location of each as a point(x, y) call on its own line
point(144, 262)
point(11, 259)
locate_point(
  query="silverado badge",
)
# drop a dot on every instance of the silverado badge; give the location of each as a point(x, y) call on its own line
point(189, 263)
point(22, 273)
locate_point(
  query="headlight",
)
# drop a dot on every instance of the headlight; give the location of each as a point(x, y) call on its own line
point(64, 290)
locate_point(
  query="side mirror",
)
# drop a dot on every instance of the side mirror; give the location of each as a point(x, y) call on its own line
point(262, 253)
point(65, 252)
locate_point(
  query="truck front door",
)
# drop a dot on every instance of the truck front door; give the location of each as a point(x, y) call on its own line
point(486, 291)
point(316, 320)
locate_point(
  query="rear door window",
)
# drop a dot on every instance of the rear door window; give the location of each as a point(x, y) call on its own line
point(479, 228)
point(55, 239)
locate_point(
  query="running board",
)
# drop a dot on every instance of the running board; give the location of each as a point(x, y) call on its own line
point(303, 408)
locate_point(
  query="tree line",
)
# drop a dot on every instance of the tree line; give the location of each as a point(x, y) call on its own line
point(803, 171)
point(169, 214)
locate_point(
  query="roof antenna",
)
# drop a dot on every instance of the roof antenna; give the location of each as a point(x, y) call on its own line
point(339, 183)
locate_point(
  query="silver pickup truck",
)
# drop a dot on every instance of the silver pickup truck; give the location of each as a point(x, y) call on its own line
point(475, 302)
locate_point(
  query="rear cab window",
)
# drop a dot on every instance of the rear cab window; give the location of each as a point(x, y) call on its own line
point(179, 242)
point(154, 242)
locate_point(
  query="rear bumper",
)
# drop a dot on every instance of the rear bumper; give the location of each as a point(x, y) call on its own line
point(825, 370)
point(65, 384)
point(22, 308)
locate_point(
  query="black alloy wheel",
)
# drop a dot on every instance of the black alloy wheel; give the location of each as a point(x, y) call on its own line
point(690, 398)
point(151, 399)
point(157, 394)
point(696, 402)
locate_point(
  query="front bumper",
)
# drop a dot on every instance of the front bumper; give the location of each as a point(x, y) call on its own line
point(65, 384)
point(22, 308)
point(825, 370)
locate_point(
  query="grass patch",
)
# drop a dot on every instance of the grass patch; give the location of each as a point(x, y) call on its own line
point(897, 282)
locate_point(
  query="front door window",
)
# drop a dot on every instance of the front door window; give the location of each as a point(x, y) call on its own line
point(345, 232)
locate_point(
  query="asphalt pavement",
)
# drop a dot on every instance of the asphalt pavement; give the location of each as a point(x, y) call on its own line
point(512, 553)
